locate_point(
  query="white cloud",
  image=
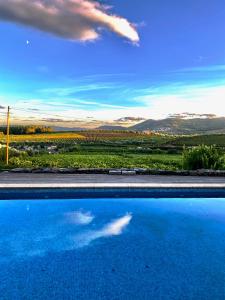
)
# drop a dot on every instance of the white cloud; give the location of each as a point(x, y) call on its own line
point(212, 68)
point(74, 19)
point(192, 99)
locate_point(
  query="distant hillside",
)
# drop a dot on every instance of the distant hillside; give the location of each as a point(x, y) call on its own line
point(60, 129)
point(183, 126)
point(172, 125)
point(194, 140)
point(111, 127)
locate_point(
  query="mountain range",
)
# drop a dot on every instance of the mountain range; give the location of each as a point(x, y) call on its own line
point(177, 126)
point(183, 126)
point(171, 125)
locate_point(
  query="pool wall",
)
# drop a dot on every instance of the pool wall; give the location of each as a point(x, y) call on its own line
point(82, 193)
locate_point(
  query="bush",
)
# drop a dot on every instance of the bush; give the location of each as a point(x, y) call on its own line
point(12, 153)
point(202, 157)
point(19, 162)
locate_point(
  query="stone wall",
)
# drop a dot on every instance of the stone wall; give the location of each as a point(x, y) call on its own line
point(125, 172)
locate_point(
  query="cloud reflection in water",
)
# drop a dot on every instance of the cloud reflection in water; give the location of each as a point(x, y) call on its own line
point(113, 228)
point(79, 218)
point(68, 232)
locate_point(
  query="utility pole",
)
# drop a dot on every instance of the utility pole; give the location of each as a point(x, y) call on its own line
point(7, 139)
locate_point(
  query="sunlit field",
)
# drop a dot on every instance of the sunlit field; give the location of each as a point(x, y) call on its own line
point(44, 137)
point(89, 136)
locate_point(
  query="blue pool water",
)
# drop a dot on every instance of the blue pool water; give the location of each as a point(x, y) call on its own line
point(112, 249)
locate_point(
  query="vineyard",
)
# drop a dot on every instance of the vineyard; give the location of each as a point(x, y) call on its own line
point(123, 137)
point(102, 149)
point(89, 136)
point(166, 162)
point(43, 137)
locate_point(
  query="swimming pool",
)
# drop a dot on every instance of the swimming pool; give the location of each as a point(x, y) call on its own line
point(143, 248)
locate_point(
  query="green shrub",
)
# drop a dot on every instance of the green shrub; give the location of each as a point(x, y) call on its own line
point(202, 157)
point(20, 162)
point(12, 153)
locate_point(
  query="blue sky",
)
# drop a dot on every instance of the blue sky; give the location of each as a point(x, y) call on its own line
point(165, 57)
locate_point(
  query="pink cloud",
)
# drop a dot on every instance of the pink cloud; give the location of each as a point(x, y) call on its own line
point(73, 19)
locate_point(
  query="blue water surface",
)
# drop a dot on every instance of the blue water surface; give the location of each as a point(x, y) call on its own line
point(112, 249)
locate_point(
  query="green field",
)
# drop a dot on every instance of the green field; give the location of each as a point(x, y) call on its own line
point(103, 149)
point(155, 161)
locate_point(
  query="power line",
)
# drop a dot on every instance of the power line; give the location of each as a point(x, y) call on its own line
point(7, 141)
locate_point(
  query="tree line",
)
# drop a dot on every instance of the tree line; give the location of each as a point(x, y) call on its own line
point(27, 129)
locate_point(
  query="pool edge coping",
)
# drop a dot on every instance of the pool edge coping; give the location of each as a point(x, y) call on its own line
point(112, 185)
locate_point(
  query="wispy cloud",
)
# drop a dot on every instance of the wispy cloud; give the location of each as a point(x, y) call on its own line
point(63, 104)
point(67, 91)
point(99, 104)
point(92, 110)
point(210, 68)
point(72, 19)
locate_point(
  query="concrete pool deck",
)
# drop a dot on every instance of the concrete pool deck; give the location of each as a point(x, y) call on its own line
point(10, 180)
